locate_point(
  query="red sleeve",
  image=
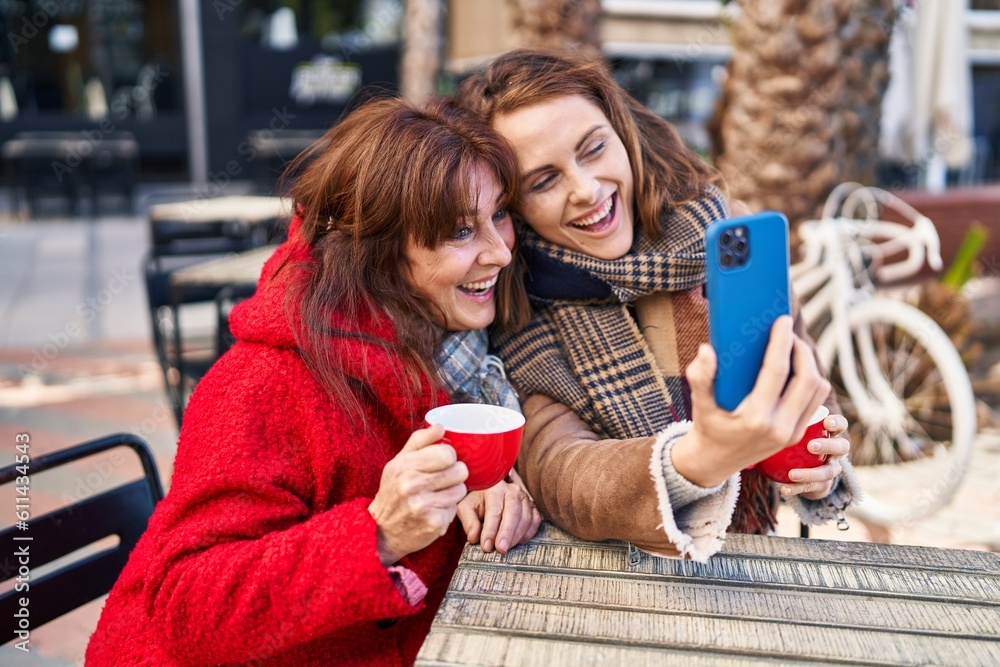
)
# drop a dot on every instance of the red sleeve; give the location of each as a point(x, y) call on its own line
point(242, 565)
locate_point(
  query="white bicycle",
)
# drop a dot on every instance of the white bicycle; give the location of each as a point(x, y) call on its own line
point(900, 382)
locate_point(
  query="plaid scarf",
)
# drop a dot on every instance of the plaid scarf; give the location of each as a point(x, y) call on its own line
point(584, 348)
point(469, 375)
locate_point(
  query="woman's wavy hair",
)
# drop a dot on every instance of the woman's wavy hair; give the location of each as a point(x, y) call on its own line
point(666, 172)
point(388, 173)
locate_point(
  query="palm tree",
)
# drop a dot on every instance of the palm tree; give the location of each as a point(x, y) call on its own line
point(420, 62)
point(800, 107)
point(559, 24)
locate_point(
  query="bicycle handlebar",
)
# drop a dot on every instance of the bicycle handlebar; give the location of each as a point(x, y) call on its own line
point(920, 241)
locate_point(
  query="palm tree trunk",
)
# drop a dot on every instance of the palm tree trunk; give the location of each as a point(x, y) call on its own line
point(800, 107)
point(559, 24)
point(420, 62)
point(866, 39)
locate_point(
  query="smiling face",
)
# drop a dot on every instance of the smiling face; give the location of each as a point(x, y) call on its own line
point(459, 275)
point(576, 179)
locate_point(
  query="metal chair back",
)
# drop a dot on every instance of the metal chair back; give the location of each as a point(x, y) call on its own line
point(123, 511)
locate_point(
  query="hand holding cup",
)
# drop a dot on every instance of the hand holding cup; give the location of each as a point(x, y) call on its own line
point(817, 482)
point(797, 455)
point(486, 439)
point(418, 495)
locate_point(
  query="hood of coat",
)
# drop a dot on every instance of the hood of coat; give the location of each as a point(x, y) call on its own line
point(263, 318)
point(268, 318)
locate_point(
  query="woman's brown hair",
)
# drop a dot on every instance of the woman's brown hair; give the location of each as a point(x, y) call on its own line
point(666, 172)
point(388, 174)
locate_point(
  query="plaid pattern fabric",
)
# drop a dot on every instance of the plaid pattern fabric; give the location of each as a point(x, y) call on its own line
point(469, 375)
point(675, 261)
point(590, 353)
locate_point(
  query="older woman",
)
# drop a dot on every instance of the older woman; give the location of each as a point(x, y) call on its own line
point(310, 519)
point(624, 439)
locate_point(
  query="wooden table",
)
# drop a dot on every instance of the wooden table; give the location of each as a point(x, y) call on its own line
point(246, 209)
point(241, 268)
point(559, 601)
point(197, 248)
point(223, 224)
point(230, 278)
point(71, 161)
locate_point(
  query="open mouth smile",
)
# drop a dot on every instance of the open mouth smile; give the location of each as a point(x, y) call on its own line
point(482, 288)
point(599, 220)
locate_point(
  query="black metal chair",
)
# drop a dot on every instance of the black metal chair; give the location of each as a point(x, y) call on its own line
point(224, 301)
point(112, 168)
point(178, 244)
point(123, 511)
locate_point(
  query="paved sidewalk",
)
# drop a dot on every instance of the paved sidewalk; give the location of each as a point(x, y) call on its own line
point(76, 362)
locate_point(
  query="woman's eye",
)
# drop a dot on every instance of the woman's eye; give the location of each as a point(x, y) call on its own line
point(542, 184)
point(595, 149)
point(499, 215)
point(463, 232)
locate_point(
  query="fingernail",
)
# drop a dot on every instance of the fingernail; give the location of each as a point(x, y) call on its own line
point(786, 491)
point(815, 447)
point(504, 545)
point(795, 475)
point(487, 545)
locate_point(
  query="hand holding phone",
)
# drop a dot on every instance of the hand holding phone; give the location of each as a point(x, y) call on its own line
point(748, 289)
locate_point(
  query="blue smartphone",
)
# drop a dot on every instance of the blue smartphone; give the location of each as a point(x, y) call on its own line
point(746, 264)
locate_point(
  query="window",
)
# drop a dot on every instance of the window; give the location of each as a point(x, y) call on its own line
point(332, 25)
point(88, 58)
point(681, 90)
point(986, 122)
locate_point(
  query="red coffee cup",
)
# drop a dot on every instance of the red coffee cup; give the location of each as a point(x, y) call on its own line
point(485, 437)
point(798, 455)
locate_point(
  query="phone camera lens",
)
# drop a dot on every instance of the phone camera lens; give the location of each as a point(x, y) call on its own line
point(727, 259)
point(740, 246)
point(726, 239)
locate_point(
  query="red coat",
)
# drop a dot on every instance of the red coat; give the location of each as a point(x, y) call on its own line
point(264, 552)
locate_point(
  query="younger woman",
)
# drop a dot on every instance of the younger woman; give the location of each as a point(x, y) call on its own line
point(615, 209)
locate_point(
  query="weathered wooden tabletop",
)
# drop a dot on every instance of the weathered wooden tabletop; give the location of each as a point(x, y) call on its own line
point(248, 209)
point(762, 600)
point(236, 268)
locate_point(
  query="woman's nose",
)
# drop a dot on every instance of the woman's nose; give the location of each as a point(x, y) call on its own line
point(584, 188)
point(495, 252)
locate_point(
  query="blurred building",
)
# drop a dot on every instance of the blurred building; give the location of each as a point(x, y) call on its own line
point(245, 83)
point(669, 54)
point(223, 90)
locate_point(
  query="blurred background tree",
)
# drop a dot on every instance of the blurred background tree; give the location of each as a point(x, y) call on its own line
point(558, 24)
point(801, 103)
point(420, 61)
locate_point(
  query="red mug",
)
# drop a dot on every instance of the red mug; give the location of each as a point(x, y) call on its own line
point(486, 438)
point(798, 455)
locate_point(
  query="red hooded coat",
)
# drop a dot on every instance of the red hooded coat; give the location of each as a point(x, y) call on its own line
point(264, 552)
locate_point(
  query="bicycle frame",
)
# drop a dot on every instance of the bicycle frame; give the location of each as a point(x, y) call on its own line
point(835, 292)
point(832, 246)
point(845, 260)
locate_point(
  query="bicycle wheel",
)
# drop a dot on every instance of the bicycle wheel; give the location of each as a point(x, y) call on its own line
point(912, 432)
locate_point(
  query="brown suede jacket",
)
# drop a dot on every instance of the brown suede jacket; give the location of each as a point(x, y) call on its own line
point(615, 489)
